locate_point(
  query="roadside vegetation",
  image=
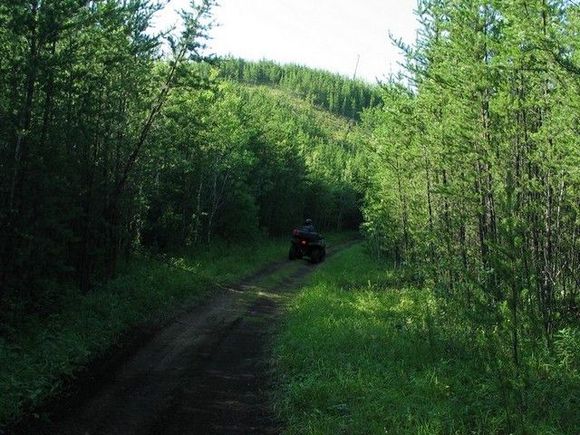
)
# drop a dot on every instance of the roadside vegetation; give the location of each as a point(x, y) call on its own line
point(369, 348)
point(474, 187)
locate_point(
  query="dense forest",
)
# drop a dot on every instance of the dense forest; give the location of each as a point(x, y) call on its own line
point(107, 147)
point(462, 173)
point(475, 166)
point(337, 94)
point(475, 188)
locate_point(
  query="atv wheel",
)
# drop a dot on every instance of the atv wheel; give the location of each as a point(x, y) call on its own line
point(316, 256)
point(293, 253)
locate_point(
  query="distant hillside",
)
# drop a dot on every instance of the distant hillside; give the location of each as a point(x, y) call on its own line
point(333, 92)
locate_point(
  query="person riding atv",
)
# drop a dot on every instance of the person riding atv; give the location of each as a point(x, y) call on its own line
point(309, 226)
point(306, 242)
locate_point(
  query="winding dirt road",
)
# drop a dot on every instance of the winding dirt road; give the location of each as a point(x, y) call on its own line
point(206, 372)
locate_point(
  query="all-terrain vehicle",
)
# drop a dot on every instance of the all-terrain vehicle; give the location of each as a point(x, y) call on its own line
point(307, 244)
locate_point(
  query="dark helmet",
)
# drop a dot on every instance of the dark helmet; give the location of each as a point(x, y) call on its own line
point(308, 221)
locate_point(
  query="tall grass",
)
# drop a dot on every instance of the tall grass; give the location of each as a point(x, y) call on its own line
point(363, 352)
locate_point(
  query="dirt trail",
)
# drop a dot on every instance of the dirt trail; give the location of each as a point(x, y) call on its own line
point(206, 372)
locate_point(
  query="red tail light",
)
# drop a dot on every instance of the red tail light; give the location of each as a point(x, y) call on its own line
point(303, 242)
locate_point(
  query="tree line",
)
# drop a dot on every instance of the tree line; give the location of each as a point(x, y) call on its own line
point(475, 175)
point(108, 145)
point(333, 92)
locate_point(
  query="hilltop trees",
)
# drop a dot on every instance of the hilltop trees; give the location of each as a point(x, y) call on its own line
point(332, 92)
point(235, 160)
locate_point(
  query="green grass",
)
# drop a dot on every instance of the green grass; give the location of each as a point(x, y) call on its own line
point(361, 352)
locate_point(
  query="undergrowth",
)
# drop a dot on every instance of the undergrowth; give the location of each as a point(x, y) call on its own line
point(363, 351)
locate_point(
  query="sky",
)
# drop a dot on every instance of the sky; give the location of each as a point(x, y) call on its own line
point(325, 34)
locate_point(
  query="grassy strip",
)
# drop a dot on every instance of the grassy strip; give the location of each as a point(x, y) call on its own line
point(363, 353)
point(44, 351)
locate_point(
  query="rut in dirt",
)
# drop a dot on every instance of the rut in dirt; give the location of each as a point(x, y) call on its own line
point(229, 392)
point(207, 372)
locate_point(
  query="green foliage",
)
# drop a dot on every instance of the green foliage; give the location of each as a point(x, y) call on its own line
point(362, 351)
point(474, 176)
point(79, 93)
point(335, 93)
point(235, 158)
point(107, 146)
